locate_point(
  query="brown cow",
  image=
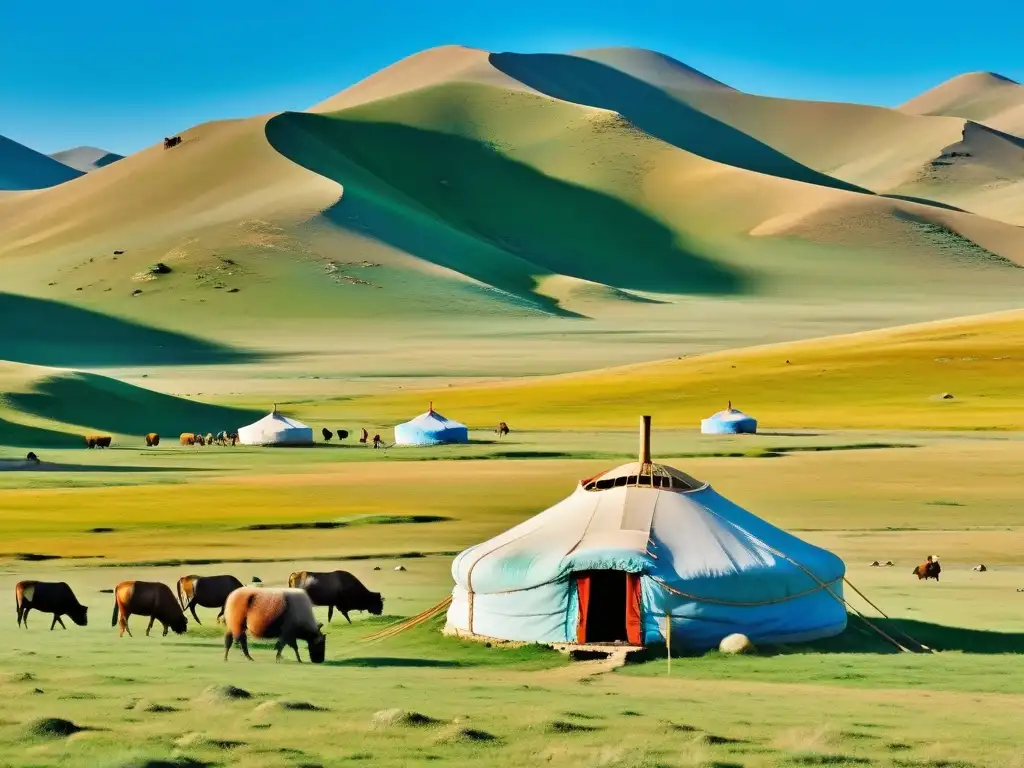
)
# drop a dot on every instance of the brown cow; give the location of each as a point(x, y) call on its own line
point(502, 429)
point(187, 438)
point(97, 441)
point(152, 439)
point(929, 569)
point(286, 614)
point(147, 598)
point(337, 589)
point(48, 597)
point(205, 591)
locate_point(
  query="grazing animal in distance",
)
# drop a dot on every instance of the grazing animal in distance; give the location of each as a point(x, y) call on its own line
point(97, 441)
point(343, 434)
point(152, 439)
point(147, 598)
point(377, 442)
point(364, 436)
point(199, 439)
point(502, 429)
point(209, 438)
point(929, 569)
point(980, 568)
point(187, 438)
point(889, 563)
point(286, 614)
point(327, 434)
point(171, 141)
point(53, 597)
point(205, 591)
point(337, 589)
point(875, 564)
point(32, 457)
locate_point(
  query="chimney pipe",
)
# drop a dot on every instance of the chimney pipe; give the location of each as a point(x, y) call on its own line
point(645, 440)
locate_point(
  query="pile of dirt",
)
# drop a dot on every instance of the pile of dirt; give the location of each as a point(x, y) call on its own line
point(219, 693)
point(54, 728)
point(388, 718)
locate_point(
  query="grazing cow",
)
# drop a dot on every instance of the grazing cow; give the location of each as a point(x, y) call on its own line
point(152, 440)
point(205, 591)
point(980, 568)
point(32, 457)
point(286, 614)
point(875, 564)
point(327, 434)
point(171, 141)
point(337, 589)
point(343, 434)
point(147, 598)
point(377, 442)
point(199, 439)
point(929, 569)
point(97, 441)
point(233, 437)
point(187, 438)
point(209, 438)
point(364, 436)
point(53, 597)
point(221, 438)
point(502, 429)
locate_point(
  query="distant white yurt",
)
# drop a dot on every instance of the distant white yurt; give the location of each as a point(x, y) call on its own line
point(276, 429)
point(431, 428)
point(636, 550)
point(729, 422)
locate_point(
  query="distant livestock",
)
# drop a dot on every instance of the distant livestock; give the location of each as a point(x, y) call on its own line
point(206, 592)
point(171, 141)
point(48, 597)
point(364, 436)
point(147, 598)
point(327, 434)
point(343, 434)
point(187, 438)
point(502, 429)
point(930, 569)
point(337, 589)
point(97, 441)
point(208, 438)
point(152, 440)
point(980, 568)
point(286, 614)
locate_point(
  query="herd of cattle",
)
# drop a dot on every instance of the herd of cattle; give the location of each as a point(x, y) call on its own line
point(285, 614)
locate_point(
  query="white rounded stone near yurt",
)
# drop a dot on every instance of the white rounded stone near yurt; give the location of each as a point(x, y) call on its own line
point(431, 428)
point(636, 550)
point(729, 422)
point(276, 429)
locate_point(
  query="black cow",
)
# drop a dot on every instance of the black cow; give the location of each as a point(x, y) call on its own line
point(337, 589)
point(327, 434)
point(53, 597)
point(343, 434)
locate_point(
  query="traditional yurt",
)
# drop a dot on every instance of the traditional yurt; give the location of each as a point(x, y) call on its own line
point(729, 422)
point(640, 548)
point(431, 428)
point(276, 429)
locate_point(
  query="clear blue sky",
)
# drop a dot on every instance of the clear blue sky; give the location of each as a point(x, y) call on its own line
point(122, 74)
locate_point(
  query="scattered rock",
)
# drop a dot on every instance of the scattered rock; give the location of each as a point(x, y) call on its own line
point(232, 290)
point(736, 643)
point(54, 728)
point(159, 269)
point(875, 564)
point(136, 292)
point(376, 567)
point(215, 693)
point(388, 718)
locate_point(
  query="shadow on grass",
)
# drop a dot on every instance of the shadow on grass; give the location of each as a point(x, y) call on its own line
point(46, 466)
point(44, 332)
point(394, 662)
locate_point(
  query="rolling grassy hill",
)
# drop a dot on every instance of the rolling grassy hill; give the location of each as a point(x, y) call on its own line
point(476, 197)
point(52, 408)
point(874, 380)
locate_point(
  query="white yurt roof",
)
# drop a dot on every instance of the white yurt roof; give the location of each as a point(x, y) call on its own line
point(276, 429)
point(430, 427)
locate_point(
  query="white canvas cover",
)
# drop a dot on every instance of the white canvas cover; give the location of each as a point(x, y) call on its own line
point(431, 428)
point(276, 429)
point(707, 565)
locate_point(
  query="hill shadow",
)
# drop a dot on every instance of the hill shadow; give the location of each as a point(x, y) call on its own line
point(45, 332)
point(26, 436)
point(507, 223)
point(652, 110)
point(103, 403)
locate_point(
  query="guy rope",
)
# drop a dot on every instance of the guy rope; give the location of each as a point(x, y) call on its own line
point(392, 630)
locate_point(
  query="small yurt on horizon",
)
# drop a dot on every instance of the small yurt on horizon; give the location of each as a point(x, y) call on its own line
point(637, 549)
point(731, 421)
point(276, 429)
point(431, 428)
